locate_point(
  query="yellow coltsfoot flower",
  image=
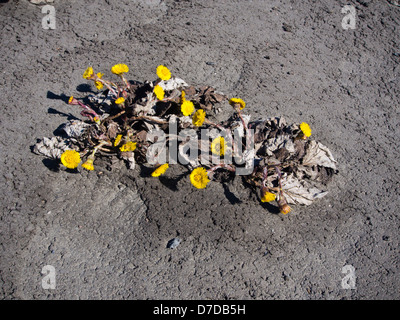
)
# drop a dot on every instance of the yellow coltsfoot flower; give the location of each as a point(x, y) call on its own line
point(163, 72)
point(70, 159)
point(218, 146)
point(88, 73)
point(99, 84)
point(305, 129)
point(117, 140)
point(120, 100)
point(88, 164)
point(159, 92)
point(119, 69)
point(97, 120)
point(237, 102)
point(129, 146)
point(268, 197)
point(199, 178)
point(284, 208)
point(187, 108)
point(160, 170)
point(72, 101)
point(199, 118)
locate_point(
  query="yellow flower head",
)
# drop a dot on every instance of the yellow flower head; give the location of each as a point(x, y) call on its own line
point(218, 146)
point(268, 197)
point(199, 178)
point(163, 72)
point(88, 165)
point(305, 128)
point(238, 101)
point(159, 92)
point(97, 120)
point(187, 108)
point(71, 98)
point(119, 69)
point(199, 118)
point(70, 159)
point(99, 84)
point(88, 73)
point(129, 146)
point(120, 100)
point(160, 170)
point(183, 94)
point(117, 140)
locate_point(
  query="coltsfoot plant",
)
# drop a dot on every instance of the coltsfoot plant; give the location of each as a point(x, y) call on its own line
point(166, 121)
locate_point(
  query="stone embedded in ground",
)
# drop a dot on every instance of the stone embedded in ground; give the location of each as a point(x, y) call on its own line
point(173, 243)
point(40, 1)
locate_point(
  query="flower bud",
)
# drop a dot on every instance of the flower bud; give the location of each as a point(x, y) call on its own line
point(73, 101)
point(284, 208)
point(88, 164)
point(97, 120)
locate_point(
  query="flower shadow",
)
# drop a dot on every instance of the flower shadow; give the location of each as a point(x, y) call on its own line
point(52, 96)
point(170, 182)
point(270, 207)
point(85, 88)
point(230, 196)
point(51, 164)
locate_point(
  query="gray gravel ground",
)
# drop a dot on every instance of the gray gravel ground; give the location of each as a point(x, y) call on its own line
point(106, 232)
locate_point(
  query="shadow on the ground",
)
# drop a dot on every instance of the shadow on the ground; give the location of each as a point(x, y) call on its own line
point(230, 196)
point(169, 182)
point(52, 164)
point(270, 207)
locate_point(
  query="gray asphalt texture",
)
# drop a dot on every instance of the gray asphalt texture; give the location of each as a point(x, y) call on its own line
point(106, 232)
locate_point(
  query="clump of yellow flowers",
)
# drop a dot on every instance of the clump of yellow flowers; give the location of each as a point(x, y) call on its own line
point(133, 109)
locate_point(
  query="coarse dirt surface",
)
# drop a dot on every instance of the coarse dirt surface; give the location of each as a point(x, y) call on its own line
point(106, 232)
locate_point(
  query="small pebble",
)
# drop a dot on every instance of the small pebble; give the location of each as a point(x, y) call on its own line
point(173, 243)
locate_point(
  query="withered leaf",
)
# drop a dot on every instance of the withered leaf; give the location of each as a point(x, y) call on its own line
point(318, 155)
point(190, 91)
point(75, 128)
point(300, 146)
point(112, 129)
point(282, 154)
point(52, 148)
point(142, 135)
point(300, 191)
point(219, 97)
